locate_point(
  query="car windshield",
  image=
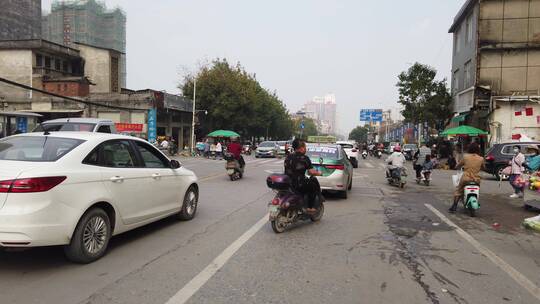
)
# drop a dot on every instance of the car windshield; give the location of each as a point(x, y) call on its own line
point(324, 152)
point(267, 144)
point(65, 126)
point(36, 148)
point(409, 147)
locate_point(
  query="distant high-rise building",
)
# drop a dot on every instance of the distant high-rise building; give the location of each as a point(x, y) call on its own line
point(323, 110)
point(20, 19)
point(88, 22)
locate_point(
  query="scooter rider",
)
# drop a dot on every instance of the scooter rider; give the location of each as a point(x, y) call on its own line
point(236, 150)
point(396, 160)
point(419, 158)
point(472, 163)
point(296, 165)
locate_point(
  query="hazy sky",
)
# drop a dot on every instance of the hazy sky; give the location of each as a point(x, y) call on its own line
point(299, 48)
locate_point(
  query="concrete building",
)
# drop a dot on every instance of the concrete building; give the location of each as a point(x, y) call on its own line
point(102, 67)
point(496, 66)
point(67, 71)
point(323, 111)
point(88, 22)
point(20, 19)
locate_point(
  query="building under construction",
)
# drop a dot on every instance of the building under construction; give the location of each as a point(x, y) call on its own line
point(88, 22)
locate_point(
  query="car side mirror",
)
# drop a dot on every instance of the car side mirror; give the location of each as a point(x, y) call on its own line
point(175, 164)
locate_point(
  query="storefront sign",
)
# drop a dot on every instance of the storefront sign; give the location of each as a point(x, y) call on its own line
point(152, 125)
point(22, 124)
point(129, 127)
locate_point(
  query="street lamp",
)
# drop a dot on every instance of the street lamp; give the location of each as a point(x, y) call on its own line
point(193, 115)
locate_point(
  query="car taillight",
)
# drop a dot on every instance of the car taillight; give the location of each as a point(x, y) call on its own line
point(30, 185)
point(490, 157)
point(275, 201)
point(335, 167)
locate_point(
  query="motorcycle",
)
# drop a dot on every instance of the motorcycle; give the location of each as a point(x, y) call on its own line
point(378, 153)
point(397, 177)
point(364, 154)
point(471, 198)
point(408, 155)
point(289, 207)
point(246, 150)
point(425, 177)
point(234, 170)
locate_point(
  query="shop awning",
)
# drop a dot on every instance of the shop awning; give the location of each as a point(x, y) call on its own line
point(20, 114)
point(460, 118)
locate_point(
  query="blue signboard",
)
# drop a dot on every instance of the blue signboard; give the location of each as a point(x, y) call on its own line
point(371, 115)
point(152, 125)
point(22, 124)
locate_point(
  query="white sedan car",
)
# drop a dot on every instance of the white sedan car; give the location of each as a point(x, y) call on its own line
point(79, 189)
point(351, 150)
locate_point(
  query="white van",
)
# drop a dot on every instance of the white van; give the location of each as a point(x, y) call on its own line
point(78, 125)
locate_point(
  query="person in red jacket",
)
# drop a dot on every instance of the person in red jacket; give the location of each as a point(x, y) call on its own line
point(235, 149)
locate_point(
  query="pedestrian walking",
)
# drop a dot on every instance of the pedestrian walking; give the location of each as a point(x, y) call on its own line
point(219, 150)
point(206, 149)
point(516, 170)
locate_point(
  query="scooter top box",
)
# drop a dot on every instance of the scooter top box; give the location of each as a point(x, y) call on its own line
point(278, 181)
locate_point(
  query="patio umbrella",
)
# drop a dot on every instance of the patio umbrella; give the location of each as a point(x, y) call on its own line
point(464, 131)
point(223, 133)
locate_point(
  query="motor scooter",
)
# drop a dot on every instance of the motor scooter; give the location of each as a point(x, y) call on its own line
point(234, 170)
point(364, 154)
point(288, 206)
point(397, 177)
point(471, 198)
point(425, 177)
point(378, 153)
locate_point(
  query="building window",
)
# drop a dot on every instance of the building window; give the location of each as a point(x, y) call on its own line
point(467, 80)
point(455, 82)
point(57, 64)
point(469, 28)
point(48, 62)
point(39, 60)
point(64, 66)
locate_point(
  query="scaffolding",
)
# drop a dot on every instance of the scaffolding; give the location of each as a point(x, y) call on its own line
point(88, 22)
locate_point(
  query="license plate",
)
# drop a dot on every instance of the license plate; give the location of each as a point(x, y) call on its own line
point(273, 209)
point(230, 171)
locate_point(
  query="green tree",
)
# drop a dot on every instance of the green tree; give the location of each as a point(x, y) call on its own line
point(235, 100)
point(310, 128)
point(359, 134)
point(424, 98)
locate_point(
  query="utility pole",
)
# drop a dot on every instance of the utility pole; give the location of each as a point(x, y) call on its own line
point(193, 115)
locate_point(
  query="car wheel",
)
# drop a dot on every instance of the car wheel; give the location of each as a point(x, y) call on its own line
point(350, 184)
point(189, 207)
point(90, 238)
point(344, 194)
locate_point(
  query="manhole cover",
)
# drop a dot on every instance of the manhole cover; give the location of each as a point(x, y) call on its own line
point(369, 191)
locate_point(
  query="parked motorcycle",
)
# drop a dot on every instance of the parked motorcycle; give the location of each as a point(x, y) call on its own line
point(289, 207)
point(397, 177)
point(425, 177)
point(471, 198)
point(364, 154)
point(234, 170)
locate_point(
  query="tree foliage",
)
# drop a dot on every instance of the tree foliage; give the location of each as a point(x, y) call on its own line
point(310, 128)
point(424, 98)
point(235, 100)
point(359, 134)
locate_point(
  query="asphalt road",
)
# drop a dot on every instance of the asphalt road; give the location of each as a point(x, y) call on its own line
point(381, 245)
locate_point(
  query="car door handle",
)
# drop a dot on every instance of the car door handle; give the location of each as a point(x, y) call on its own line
point(117, 179)
point(156, 176)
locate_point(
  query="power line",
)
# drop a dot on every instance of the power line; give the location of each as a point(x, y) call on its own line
point(20, 85)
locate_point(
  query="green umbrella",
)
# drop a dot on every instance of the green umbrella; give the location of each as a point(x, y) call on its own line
point(464, 131)
point(223, 133)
